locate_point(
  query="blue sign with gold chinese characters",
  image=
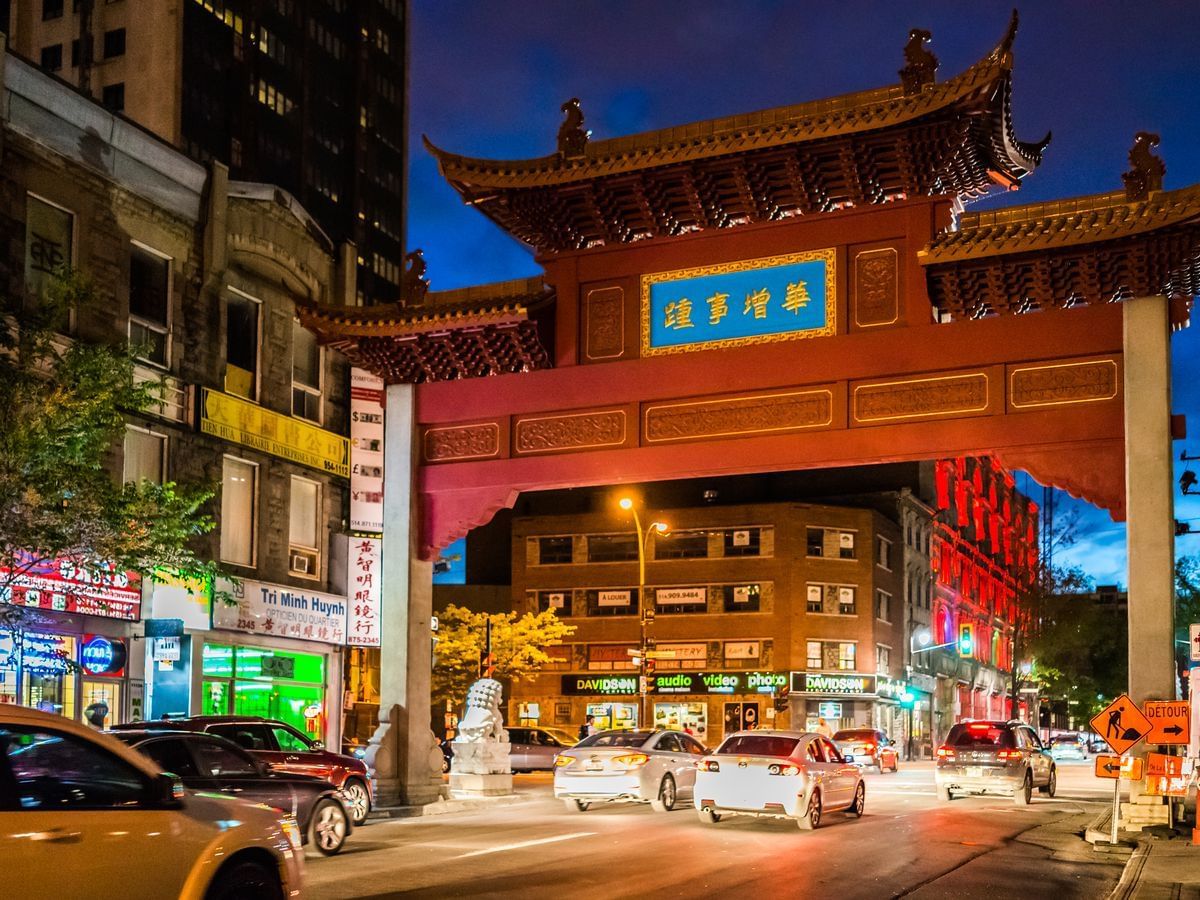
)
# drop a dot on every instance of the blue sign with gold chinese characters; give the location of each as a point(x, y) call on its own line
point(772, 299)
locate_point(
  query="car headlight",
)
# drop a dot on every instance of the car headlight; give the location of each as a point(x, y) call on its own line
point(292, 830)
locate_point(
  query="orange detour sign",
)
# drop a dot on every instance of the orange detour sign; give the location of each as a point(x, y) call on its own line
point(1169, 721)
point(1129, 767)
point(1121, 724)
point(1164, 775)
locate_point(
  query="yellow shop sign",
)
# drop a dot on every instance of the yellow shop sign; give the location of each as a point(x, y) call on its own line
point(234, 419)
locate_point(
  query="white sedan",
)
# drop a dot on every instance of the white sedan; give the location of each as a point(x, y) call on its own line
point(655, 767)
point(787, 774)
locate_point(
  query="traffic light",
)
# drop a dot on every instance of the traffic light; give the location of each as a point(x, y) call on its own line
point(966, 639)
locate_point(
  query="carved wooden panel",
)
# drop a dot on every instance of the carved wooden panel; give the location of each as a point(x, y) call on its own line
point(569, 431)
point(452, 443)
point(1063, 382)
point(876, 287)
point(738, 416)
point(604, 323)
point(934, 396)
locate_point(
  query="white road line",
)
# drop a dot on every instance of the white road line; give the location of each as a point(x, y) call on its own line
point(522, 844)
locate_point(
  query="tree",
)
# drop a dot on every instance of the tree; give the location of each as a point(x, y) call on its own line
point(518, 648)
point(65, 404)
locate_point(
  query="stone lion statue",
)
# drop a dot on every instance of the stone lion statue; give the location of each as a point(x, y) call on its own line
point(482, 721)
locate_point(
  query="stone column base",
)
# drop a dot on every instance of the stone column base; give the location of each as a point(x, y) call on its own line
point(1144, 811)
point(463, 784)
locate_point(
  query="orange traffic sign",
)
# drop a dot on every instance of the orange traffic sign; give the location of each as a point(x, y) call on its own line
point(1160, 764)
point(1129, 767)
point(1164, 775)
point(1121, 724)
point(1169, 720)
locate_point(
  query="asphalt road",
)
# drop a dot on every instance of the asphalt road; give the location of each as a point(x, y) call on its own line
point(908, 844)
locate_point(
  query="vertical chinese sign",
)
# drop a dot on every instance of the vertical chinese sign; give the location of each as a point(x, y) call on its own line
point(364, 582)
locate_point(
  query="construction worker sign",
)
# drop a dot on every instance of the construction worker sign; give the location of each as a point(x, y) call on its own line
point(1121, 724)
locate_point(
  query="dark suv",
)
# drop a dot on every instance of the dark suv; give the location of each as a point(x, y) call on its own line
point(994, 758)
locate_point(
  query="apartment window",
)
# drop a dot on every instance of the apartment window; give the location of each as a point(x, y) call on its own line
point(555, 551)
point(49, 242)
point(832, 655)
point(113, 97)
point(51, 9)
point(306, 374)
point(883, 553)
point(559, 601)
point(304, 529)
point(681, 545)
point(241, 345)
point(75, 52)
point(743, 542)
point(149, 290)
point(612, 548)
point(814, 655)
point(238, 490)
point(847, 655)
point(832, 543)
point(52, 57)
point(832, 599)
point(741, 597)
point(612, 601)
point(114, 43)
point(883, 659)
point(847, 601)
point(672, 600)
point(883, 606)
point(816, 542)
point(145, 455)
point(816, 598)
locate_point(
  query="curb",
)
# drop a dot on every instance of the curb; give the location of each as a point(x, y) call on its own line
point(445, 807)
point(1132, 873)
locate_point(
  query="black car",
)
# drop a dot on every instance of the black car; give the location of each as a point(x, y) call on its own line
point(205, 762)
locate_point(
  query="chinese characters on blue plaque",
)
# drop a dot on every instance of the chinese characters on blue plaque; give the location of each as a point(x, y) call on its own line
point(777, 298)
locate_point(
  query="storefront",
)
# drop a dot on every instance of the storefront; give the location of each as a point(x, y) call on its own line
point(849, 700)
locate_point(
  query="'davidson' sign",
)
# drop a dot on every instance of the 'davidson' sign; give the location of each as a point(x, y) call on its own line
point(833, 683)
point(599, 684)
point(771, 299)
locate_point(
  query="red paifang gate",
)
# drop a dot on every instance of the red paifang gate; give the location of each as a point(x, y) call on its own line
point(922, 333)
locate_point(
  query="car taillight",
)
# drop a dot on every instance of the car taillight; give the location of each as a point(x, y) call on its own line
point(945, 752)
point(869, 748)
point(708, 765)
point(775, 769)
point(631, 760)
point(1008, 754)
point(562, 760)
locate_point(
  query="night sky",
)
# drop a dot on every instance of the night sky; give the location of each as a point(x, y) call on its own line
point(488, 79)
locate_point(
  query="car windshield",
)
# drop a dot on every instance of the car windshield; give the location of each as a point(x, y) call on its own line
point(855, 734)
point(759, 745)
point(980, 734)
point(1065, 739)
point(616, 739)
point(565, 738)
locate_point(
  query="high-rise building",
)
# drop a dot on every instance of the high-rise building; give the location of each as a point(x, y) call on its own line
point(309, 95)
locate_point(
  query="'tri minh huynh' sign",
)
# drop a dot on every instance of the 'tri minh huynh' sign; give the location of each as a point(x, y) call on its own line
point(771, 299)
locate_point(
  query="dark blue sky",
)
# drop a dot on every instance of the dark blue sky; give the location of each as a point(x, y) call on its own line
point(488, 79)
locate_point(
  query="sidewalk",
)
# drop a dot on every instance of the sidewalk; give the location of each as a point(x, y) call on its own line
point(524, 791)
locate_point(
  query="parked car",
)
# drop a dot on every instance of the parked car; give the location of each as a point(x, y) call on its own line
point(447, 753)
point(870, 747)
point(206, 762)
point(789, 774)
point(994, 758)
point(1068, 746)
point(655, 767)
point(286, 749)
point(81, 813)
point(535, 748)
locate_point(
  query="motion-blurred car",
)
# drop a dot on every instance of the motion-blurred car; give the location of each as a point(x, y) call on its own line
point(994, 758)
point(789, 774)
point(82, 814)
point(655, 767)
point(535, 748)
point(284, 748)
point(870, 747)
point(1068, 746)
point(206, 762)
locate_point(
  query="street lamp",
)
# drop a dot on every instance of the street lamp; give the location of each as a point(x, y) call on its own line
point(645, 613)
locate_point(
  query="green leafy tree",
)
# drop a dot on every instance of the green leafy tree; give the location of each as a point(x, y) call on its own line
point(65, 404)
point(519, 645)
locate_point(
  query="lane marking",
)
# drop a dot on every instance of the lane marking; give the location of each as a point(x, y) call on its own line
point(523, 844)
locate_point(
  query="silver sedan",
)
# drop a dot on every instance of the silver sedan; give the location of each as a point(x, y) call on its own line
point(655, 767)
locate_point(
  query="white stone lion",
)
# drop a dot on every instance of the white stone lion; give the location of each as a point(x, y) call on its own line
point(482, 721)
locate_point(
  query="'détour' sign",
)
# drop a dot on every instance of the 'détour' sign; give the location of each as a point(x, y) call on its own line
point(678, 683)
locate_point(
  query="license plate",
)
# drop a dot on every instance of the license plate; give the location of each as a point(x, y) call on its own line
point(974, 771)
point(594, 766)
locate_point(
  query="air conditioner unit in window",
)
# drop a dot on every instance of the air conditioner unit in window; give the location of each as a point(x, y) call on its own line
point(302, 562)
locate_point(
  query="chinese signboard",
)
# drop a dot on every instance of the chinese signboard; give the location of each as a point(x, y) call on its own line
point(63, 586)
point(771, 299)
point(276, 610)
point(242, 422)
point(365, 588)
point(366, 451)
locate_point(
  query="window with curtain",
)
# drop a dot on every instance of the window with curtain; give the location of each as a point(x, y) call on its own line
point(306, 374)
point(145, 453)
point(304, 529)
point(238, 482)
point(241, 345)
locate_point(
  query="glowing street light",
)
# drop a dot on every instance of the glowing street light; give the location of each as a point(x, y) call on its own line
point(645, 612)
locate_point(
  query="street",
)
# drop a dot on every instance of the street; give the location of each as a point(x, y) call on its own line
point(907, 844)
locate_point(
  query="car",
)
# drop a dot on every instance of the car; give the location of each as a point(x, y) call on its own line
point(655, 767)
point(787, 774)
point(447, 748)
point(286, 749)
point(535, 748)
point(993, 757)
point(870, 747)
point(81, 813)
point(207, 762)
point(1068, 746)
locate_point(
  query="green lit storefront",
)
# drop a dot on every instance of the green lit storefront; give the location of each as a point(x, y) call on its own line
point(272, 682)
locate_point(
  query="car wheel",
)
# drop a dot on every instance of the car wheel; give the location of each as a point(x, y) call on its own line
point(944, 794)
point(811, 819)
point(666, 795)
point(358, 800)
point(1025, 792)
point(1051, 783)
point(573, 805)
point(445, 765)
point(708, 817)
point(328, 827)
point(244, 880)
point(860, 801)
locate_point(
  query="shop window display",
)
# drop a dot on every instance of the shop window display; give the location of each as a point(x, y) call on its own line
point(261, 681)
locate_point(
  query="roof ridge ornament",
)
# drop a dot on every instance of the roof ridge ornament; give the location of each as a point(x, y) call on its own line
point(920, 64)
point(415, 284)
point(572, 136)
point(1146, 176)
